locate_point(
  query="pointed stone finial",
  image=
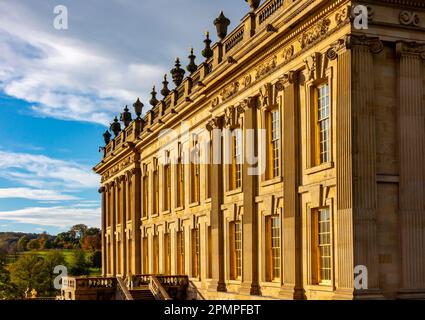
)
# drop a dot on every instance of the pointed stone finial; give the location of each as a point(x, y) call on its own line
point(177, 73)
point(138, 108)
point(222, 23)
point(192, 67)
point(116, 127)
point(207, 52)
point(154, 101)
point(254, 4)
point(165, 91)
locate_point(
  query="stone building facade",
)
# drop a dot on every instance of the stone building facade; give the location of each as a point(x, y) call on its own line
point(338, 119)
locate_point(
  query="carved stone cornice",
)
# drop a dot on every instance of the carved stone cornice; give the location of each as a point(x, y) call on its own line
point(374, 44)
point(410, 48)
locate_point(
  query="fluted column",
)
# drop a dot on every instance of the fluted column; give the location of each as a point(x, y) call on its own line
point(291, 220)
point(113, 220)
point(364, 159)
point(411, 142)
point(344, 165)
point(135, 220)
point(217, 234)
point(250, 284)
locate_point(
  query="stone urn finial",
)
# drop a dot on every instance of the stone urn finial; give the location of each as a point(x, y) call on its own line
point(126, 117)
point(177, 73)
point(138, 108)
point(153, 101)
point(222, 23)
point(165, 91)
point(192, 67)
point(254, 4)
point(116, 127)
point(207, 52)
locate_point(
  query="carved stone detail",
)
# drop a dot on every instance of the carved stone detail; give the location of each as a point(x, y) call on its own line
point(335, 47)
point(288, 52)
point(316, 66)
point(342, 15)
point(409, 18)
point(266, 67)
point(230, 117)
point(411, 48)
point(247, 80)
point(266, 96)
point(213, 124)
point(229, 91)
point(374, 43)
point(320, 29)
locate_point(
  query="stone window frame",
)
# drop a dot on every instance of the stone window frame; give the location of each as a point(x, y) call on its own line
point(312, 284)
point(311, 109)
point(233, 213)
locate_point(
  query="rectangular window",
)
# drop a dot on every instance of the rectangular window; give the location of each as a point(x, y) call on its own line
point(167, 253)
point(209, 253)
point(167, 187)
point(275, 246)
point(273, 133)
point(145, 195)
point(180, 253)
point(236, 168)
point(155, 200)
point(145, 256)
point(180, 184)
point(195, 252)
point(155, 254)
point(236, 250)
point(323, 124)
point(322, 244)
point(194, 171)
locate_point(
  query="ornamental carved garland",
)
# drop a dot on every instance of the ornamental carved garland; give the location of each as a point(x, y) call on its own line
point(229, 91)
point(265, 67)
point(320, 29)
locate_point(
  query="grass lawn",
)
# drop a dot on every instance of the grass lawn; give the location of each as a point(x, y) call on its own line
point(67, 253)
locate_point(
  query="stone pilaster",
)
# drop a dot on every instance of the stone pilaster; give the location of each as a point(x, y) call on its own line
point(344, 148)
point(364, 160)
point(102, 191)
point(250, 284)
point(411, 142)
point(112, 216)
point(135, 220)
point(217, 233)
point(292, 287)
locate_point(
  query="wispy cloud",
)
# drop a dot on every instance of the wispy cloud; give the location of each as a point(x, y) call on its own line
point(65, 78)
point(58, 216)
point(42, 172)
point(34, 194)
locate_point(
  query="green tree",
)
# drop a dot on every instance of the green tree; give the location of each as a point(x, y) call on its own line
point(33, 245)
point(51, 260)
point(94, 259)
point(79, 266)
point(22, 243)
point(29, 272)
point(7, 288)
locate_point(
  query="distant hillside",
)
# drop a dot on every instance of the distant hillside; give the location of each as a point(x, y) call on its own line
point(9, 240)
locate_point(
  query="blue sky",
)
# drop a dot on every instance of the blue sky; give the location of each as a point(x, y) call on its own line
point(60, 88)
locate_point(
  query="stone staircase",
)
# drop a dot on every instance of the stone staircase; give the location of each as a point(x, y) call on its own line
point(142, 293)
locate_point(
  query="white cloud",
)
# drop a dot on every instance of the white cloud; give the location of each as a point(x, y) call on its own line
point(39, 171)
point(34, 194)
point(64, 77)
point(59, 216)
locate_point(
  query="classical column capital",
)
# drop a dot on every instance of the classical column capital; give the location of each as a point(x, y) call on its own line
point(214, 123)
point(336, 48)
point(288, 78)
point(102, 189)
point(374, 44)
point(411, 48)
